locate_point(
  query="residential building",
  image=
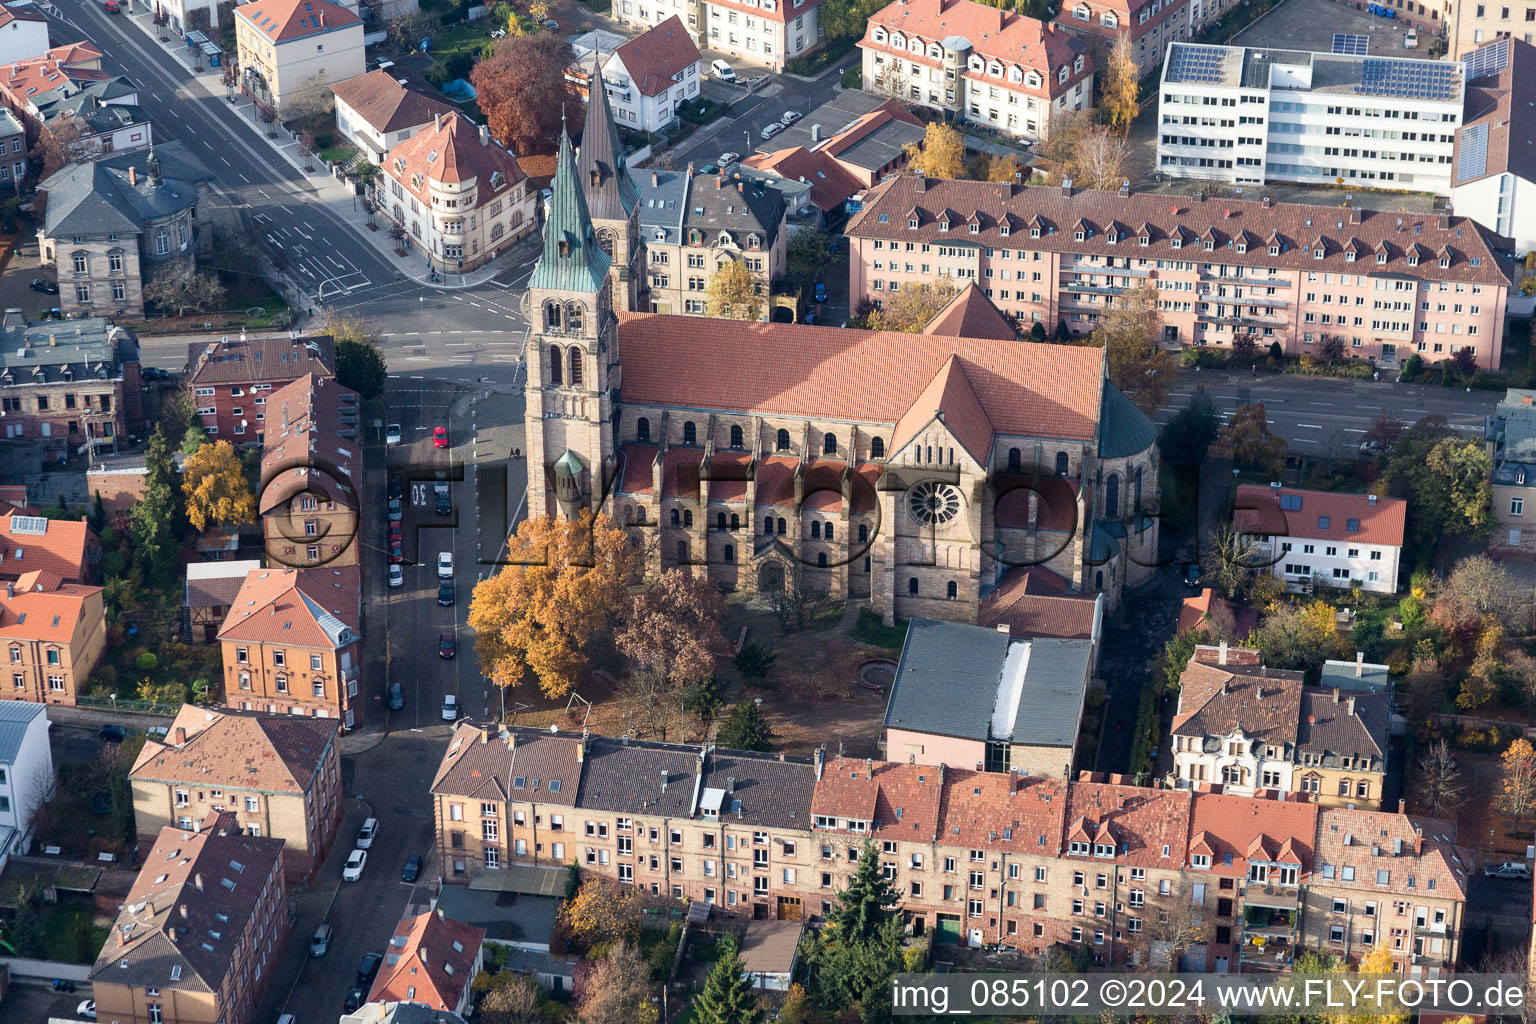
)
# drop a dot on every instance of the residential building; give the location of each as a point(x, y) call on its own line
point(693, 226)
point(73, 386)
point(875, 480)
point(1390, 880)
point(867, 135)
point(1150, 25)
point(1494, 177)
point(13, 144)
point(291, 647)
point(279, 775)
point(1470, 24)
point(51, 656)
point(232, 378)
point(198, 937)
point(1510, 436)
point(312, 453)
point(29, 86)
point(66, 548)
point(1391, 284)
point(208, 595)
point(1341, 746)
point(769, 952)
point(830, 186)
point(119, 480)
point(106, 114)
point(467, 196)
point(1236, 723)
point(26, 770)
point(1313, 539)
point(652, 75)
point(431, 959)
point(995, 68)
point(1314, 118)
point(23, 34)
point(763, 33)
point(115, 220)
point(285, 46)
point(1216, 615)
point(970, 696)
point(400, 1013)
point(377, 112)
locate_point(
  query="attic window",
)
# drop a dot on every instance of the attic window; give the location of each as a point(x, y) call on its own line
point(1352, 525)
point(1324, 522)
point(1445, 261)
point(1143, 240)
point(1242, 247)
point(1002, 228)
point(520, 782)
point(1349, 256)
point(1274, 250)
point(1381, 257)
point(554, 785)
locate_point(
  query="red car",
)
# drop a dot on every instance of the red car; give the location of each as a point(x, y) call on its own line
point(446, 645)
point(396, 554)
point(111, 6)
point(440, 437)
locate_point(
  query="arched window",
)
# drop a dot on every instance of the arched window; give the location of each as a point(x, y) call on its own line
point(782, 526)
point(952, 590)
point(574, 316)
point(782, 441)
point(556, 365)
point(640, 515)
point(576, 361)
point(815, 531)
point(720, 520)
point(687, 518)
point(863, 534)
point(951, 456)
point(736, 437)
point(1061, 463)
point(826, 532)
point(629, 514)
point(829, 444)
point(912, 587)
point(730, 552)
point(1015, 459)
point(682, 551)
point(553, 318)
point(821, 559)
point(690, 433)
point(767, 525)
point(677, 518)
point(643, 428)
point(1112, 496)
point(877, 448)
point(930, 454)
point(1098, 580)
point(735, 522)
point(1136, 491)
point(866, 563)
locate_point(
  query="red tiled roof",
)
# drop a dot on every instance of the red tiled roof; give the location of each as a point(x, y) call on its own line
point(1429, 851)
point(1229, 824)
point(639, 460)
point(1140, 821)
point(304, 437)
point(1195, 613)
point(385, 104)
point(1013, 39)
point(10, 14)
point(282, 21)
point(1031, 601)
point(272, 608)
point(970, 314)
point(657, 58)
point(830, 184)
point(43, 608)
point(1380, 521)
point(450, 151)
point(870, 790)
point(63, 548)
point(728, 476)
point(280, 753)
point(782, 10)
point(257, 360)
point(1024, 389)
point(776, 480)
point(949, 398)
point(336, 588)
point(429, 960)
point(1005, 812)
point(1056, 510)
point(680, 469)
point(1216, 699)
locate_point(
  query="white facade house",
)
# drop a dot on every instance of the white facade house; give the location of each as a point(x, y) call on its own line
point(1235, 723)
point(23, 34)
point(26, 772)
point(377, 113)
point(650, 76)
point(763, 33)
point(1310, 539)
point(1495, 172)
point(1246, 115)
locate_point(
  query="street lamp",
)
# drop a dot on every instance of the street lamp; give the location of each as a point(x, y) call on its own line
point(748, 150)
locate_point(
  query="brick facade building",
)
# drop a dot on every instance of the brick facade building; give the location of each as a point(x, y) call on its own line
point(231, 379)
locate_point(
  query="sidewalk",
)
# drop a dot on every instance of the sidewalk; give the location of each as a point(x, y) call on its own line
point(335, 195)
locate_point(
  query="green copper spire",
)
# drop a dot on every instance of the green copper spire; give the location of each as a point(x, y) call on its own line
point(611, 192)
point(572, 261)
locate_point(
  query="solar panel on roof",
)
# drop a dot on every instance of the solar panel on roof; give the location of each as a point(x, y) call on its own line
point(1472, 153)
point(1350, 44)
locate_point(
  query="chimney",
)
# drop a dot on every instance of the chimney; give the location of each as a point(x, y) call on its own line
point(1370, 499)
point(1198, 197)
point(1221, 657)
point(181, 735)
point(730, 784)
point(485, 135)
point(1125, 189)
point(1261, 691)
point(133, 177)
point(920, 183)
point(869, 766)
point(1349, 705)
point(741, 188)
point(1266, 202)
point(485, 735)
point(421, 951)
point(440, 914)
point(1402, 807)
point(581, 748)
point(1002, 627)
point(182, 910)
point(1359, 664)
point(172, 932)
point(655, 179)
point(1066, 188)
point(719, 181)
point(663, 780)
point(820, 757)
point(197, 881)
point(1335, 694)
point(10, 589)
point(1444, 220)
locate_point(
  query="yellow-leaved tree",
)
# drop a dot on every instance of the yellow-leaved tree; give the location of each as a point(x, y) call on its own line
point(941, 154)
point(216, 488)
point(563, 582)
point(732, 293)
point(1122, 83)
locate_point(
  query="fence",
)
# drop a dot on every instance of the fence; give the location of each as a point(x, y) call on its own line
point(143, 707)
point(24, 970)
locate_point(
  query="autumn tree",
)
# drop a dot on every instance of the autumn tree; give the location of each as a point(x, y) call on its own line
point(1230, 560)
point(176, 288)
point(941, 154)
point(733, 293)
point(1519, 779)
point(1246, 440)
point(601, 912)
point(1089, 154)
point(561, 584)
point(1440, 787)
point(1482, 680)
point(309, 106)
point(522, 89)
point(913, 307)
point(1300, 636)
point(1129, 332)
point(617, 989)
point(1005, 168)
point(1388, 1010)
point(671, 634)
point(1478, 587)
point(1121, 86)
point(515, 1001)
point(1424, 685)
point(216, 489)
point(727, 997)
point(57, 143)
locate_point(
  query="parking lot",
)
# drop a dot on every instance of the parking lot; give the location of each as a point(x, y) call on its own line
point(1310, 25)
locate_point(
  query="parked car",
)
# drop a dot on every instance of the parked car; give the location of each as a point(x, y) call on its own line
point(396, 509)
point(1411, 40)
point(552, 24)
point(728, 157)
point(42, 284)
point(439, 437)
point(771, 129)
point(357, 995)
point(86, 1009)
point(113, 734)
point(445, 565)
point(447, 645)
point(444, 505)
point(112, 6)
point(1192, 574)
point(821, 291)
point(393, 434)
point(709, 169)
point(396, 576)
point(1508, 869)
point(412, 868)
point(790, 117)
point(396, 697)
point(321, 943)
point(396, 552)
point(367, 834)
point(397, 486)
point(723, 71)
point(445, 595)
point(369, 968)
point(809, 318)
point(352, 870)
point(154, 373)
point(450, 708)
point(440, 482)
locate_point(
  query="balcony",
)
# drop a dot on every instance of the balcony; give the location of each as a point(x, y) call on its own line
point(351, 672)
point(1265, 955)
point(1245, 281)
point(1266, 894)
point(1101, 268)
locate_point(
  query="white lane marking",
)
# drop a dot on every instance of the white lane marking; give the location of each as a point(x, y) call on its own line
point(1311, 426)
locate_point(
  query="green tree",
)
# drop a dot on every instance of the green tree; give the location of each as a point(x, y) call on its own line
point(868, 905)
point(745, 729)
point(1188, 435)
point(360, 366)
point(854, 956)
point(1300, 636)
point(807, 254)
point(1038, 332)
point(727, 997)
point(1176, 655)
point(1446, 482)
point(732, 293)
point(153, 518)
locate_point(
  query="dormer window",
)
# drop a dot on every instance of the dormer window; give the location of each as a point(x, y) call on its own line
point(1002, 228)
point(1079, 235)
point(912, 223)
point(1034, 232)
point(752, 242)
point(973, 227)
point(880, 35)
point(1143, 240)
point(1349, 256)
point(1061, 76)
point(1111, 237)
point(943, 225)
point(1413, 261)
point(1081, 12)
point(1077, 65)
point(564, 249)
point(1176, 242)
point(1381, 258)
point(1209, 245)
point(1317, 254)
point(1445, 261)
point(1242, 247)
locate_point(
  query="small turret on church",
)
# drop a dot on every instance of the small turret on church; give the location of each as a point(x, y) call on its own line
point(572, 355)
point(613, 198)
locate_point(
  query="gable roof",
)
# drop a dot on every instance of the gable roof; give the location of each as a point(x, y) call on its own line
point(311, 443)
point(831, 186)
point(387, 106)
point(1493, 138)
point(659, 779)
point(1137, 821)
point(1319, 515)
point(1344, 724)
point(60, 546)
point(901, 801)
point(1367, 842)
point(1215, 700)
point(1260, 828)
point(657, 58)
point(1005, 812)
point(1014, 39)
point(260, 359)
point(950, 399)
point(16, 717)
point(45, 609)
point(207, 746)
point(271, 607)
point(282, 21)
point(429, 960)
point(970, 314)
point(484, 764)
point(1032, 602)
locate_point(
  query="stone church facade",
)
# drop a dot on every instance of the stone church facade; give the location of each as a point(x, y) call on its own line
point(913, 470)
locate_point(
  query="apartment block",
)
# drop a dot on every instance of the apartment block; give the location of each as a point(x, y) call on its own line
point(1510, 440)
point(1150, 25)
point(73, 386)
point(26, 773)
point(431, 961)
point(1470, 24)
point(1235, 722)
point(279, 775)
point(1246, 115)
point(1495, 170)
point(763, 33)
point(312, 455)
point(53, 633)
point(232, 378)
point(1387, 284)
point(1312, 539)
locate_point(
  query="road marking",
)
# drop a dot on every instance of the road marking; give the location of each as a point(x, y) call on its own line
point(1311, 426)
point(1302, 440)
point(1367, 407)
point(1352, 430)
point(1325, 405)
point(244, 178)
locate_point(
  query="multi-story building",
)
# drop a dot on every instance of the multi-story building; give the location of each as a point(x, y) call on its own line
point(1470, 24)
point(377, 112)
point(312, 457)
point(693, 226)
point(232, 378)
point(199, 935)
point(652, 75)
point(287, 45)
point(30, 86)
point(763, 33)
point(116, 219)
point(74, 387)
point(1313, 539)
point(65, 548)
point(1510, 436)
point(431, 960)
point(23, 34)
point(105, 116)
point(864, 134)
point(26, 772)
point(1391, 284)
point(1235, 722)
point(279, 775)
point(54, 634)
point(459, 197)
point(1150, 25)
point(291, 645)
point(1247, 115)
point(993, 67)
point(1341, 746)
point(13, 146)
point(1494, 178)
point(1393, 880)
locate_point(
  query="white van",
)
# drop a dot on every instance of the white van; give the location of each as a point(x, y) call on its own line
point(1411, 40)
point(722, 71)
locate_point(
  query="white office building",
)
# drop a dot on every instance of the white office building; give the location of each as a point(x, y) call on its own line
point(1246, 115)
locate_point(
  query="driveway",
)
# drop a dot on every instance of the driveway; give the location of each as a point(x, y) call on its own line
point(15, 283)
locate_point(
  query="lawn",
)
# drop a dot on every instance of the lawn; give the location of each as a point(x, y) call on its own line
point(870, 630)
point(466, 37)
point(71, 934)
point(337, 154)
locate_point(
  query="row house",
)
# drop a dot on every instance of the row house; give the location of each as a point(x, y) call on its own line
point(1150, 25)
point(72, 387)
point(231, 379)
point(1387, 284)
point(311, 459)
point(54, 634)
point(1509, 437)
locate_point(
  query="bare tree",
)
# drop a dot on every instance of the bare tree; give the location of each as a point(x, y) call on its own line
point(1440, 788)
point(1179, 925)
point(177, 286)
point(310, 105)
